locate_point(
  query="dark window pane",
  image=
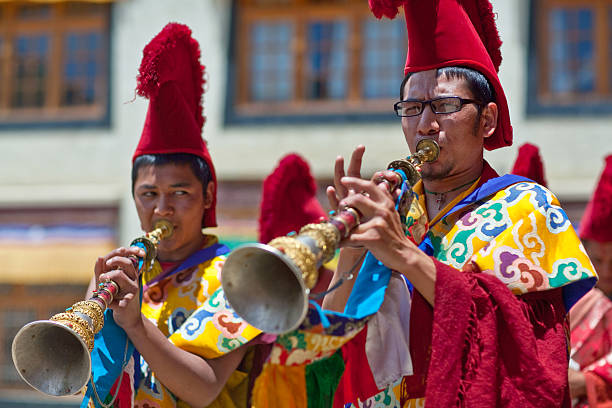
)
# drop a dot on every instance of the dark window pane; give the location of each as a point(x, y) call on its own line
point(83, 66)
point(326, 73)
point(31, 66)
point(83, 8)
point(572, 56)
point(383, 57)
point(33, 11)
point(271, 67)
point(57, 56)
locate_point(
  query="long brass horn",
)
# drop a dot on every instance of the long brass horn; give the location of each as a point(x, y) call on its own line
point(53, 356)
point(268, 285)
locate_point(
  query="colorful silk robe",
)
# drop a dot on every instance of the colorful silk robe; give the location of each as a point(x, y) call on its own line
point(189, 307)
point(515, 233)
point(591, 339)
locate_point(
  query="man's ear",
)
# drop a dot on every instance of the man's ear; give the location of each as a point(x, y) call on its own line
point(210, 193)
point(488, 119)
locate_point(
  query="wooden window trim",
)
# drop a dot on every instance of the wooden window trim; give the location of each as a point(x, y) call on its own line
point(601, 30)
point(299, 13)
point(56, 26)
point(540, 99)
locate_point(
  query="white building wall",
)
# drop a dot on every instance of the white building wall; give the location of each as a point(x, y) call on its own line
point(55, 167)
point(572, 148)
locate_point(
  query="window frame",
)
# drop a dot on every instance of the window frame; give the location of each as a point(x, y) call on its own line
point(52, 114)
point(359, 109)
point(538, 103)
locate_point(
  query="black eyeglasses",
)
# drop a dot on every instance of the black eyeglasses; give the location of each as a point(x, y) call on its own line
point(445, 104)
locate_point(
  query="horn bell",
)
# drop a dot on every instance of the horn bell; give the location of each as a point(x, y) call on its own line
point(265, 288)
point(51, 358)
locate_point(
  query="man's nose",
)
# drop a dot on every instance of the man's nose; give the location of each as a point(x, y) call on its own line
point(164, 206)
point(428, 121)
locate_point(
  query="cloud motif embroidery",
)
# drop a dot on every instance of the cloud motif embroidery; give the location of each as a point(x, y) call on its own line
point(495, 221)
point(527, 240)
point(556, 219)
point(228, 324)
point(189, 291)
point(516, 271)
point(226, 345)
point(503, 258)
point(176, 319)
point(195, 324)
point(569, 268)
point(532, 277)
point(469, 220)
point(538, 196)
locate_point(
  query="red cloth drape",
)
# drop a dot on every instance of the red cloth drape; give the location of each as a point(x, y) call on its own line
point(490, 348)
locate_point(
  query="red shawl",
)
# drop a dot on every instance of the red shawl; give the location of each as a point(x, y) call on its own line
point(490, 348)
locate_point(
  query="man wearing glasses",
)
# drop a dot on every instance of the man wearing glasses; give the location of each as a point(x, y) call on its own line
point(491, 264)
point(462, 298)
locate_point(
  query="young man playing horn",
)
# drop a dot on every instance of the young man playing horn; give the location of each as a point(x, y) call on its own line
point(188, 342)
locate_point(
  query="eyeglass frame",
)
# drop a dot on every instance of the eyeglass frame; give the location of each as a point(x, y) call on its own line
point(463, 101)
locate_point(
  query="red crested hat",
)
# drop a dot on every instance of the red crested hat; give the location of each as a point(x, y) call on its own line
point(596, 222)
point(172, 78)
point(288, 200)
point(529, 164)
point(444, 33)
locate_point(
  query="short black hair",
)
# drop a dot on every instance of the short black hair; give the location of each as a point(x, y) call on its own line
point(198, 165)
point(478, 84)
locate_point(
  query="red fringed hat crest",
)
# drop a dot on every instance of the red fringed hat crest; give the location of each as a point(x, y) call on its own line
point(288, 199)
point(596, 222)
point(529, 164)
point(172, 78)
point(444, 33)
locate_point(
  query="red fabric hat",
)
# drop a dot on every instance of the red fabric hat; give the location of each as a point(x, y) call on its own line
point(288, 199)
point(529, 164)
point(444, 33)
point(597, 219)
point(172, 78)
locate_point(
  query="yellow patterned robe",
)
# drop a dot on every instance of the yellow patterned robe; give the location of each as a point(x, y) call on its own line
point(518, 233)
point(190, 309)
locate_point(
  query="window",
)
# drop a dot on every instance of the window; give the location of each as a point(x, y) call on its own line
point(54, 63)
point(570, 61)
point(308, 59)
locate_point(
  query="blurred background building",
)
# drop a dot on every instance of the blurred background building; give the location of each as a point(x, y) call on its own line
point(317, 77)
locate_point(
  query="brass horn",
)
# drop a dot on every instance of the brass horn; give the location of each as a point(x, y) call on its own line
point(268, 285)
point(53, 356)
